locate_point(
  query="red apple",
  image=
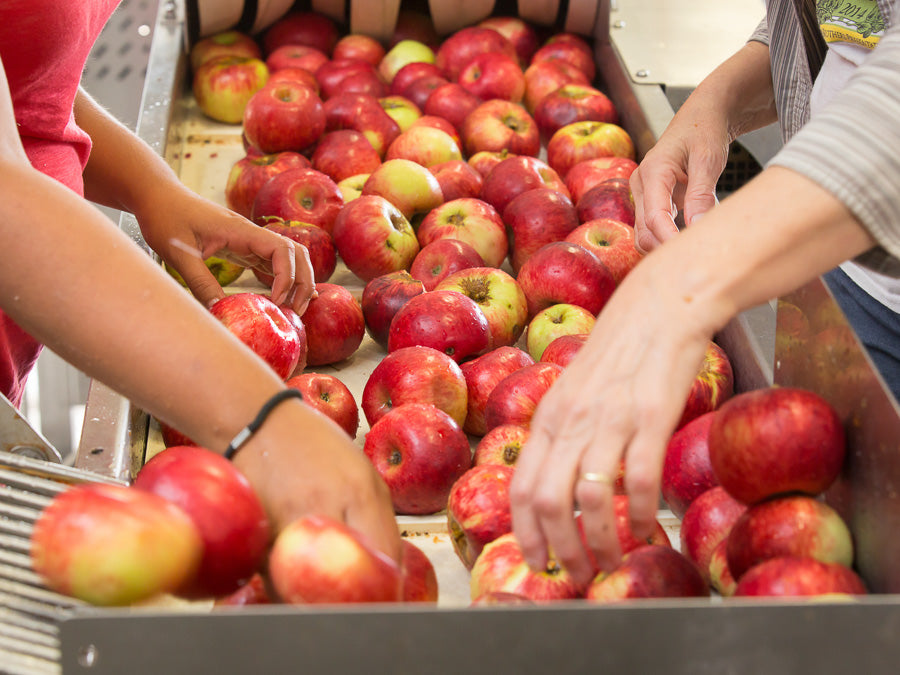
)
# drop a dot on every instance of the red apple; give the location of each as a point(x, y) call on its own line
point(420, 452)
point(449, 100)
point(373, 237)
point(687, 472)
point(222, 504)
point(334, 324)
point(359, 46)
point(713, 385)
point(224, 85)
point(520, 33)
point(421, 89)
point(482, 375)
point(545, 77)
point(792, 525)
point(775, 440)
point(317, 242)
point(486, 160)
point(420, 583)
point(573, 103)
point(383, 296)
point(590, 172)
point(706, 522)
point(792, 577)
point(462, 46)
point(501, 445)
point(498, 124)
point(494, 75)
point(438, 123)
point(610, 199)
point(470, 220)
point(536, 218)
point(363, 113)
point(576, 52)
point(410, 72)
point(251, 172)
point(515, 175)
point(343, 153)
point(113, 545)
point(296, 57)
point(611, 241)
point(409, 186)
point(297, 75)
point(719, 575)
point(579, 141)
point(478, 510)
point(445, 320)
point(254, 592)
point(424, 145)
point(330, 396)
point(441, 258)
point(352, 76)
point(515, 398)
point(306, 195)
point(261, 325)
point(501, 567)
point(401, 54)
point(562, 349)
point(302, 28)
point(295, 321)
point(224, 43)
point(317, 559)
point(415, 375)
point(649, 572)
point(458, 180)
point(553, 322)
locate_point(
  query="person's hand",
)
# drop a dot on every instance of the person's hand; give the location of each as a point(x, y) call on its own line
point(185, 229)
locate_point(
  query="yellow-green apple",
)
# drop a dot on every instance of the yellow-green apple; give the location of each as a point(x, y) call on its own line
point(415, 375)
point(254, 592)
point(355, 76)
point(449, 100)
point(402, 54)
point(501, 445)
point(649, 572)
point(498, 124)
point(611, 241)
point(438, 123)
point(298, 325)
point(563, 349)
point(401, 109)
point(306, 195)
point(343, 153)
point(420, 582)
point(296, 57)
point(261, 325)
point(221, 502)
point(534, 219)
point(482, 375)
point(223, 85)
point(114, 545)
point(494, 75)
point(719, 575)
point(522, 34)
point(424, 145)
point(249, 174)
point(774, 440)
point(515, 175)
point(224, 43)
point(554, 321)
point(445, 320)
point(351, 187)
point(411, 72)
point(470, 220)
point(414, 24)
point(563, 272)
point(420, 90)
point(588, 139)
point(317, 242)
point(359, 46)
point(318, 559)
point(793, 525)
point(575, 51)
point(382, 297)
point(328, 395)
point(794, 577)
point(420, 452)
point(296, 75)
point(590, 172)
point(302, 28)
point(409, 186)
point(610, 199)
point(373, 237)
point(458, 180)
point(441, 258)
point(514, 398)
point(713, 385)
point(460, 47)
point(545, 77)
point(486, 160)
point(706, 522)
point(334, 324)
point(363, 113)
point(478, 510)
point(225, 271)
point(573, 103)
point(501, 567)
point(499, 296)
point(687, 472)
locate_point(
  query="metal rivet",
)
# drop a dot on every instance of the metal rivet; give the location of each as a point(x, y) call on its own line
point(87, 656)
point(618, 24)
point(643, 72)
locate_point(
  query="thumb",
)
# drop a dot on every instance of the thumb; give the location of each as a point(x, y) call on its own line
point(700, 191)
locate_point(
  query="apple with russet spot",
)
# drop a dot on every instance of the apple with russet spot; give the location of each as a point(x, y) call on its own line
point(458, 180)
point(515, 175)
point(563, 349)
point(319, 244)
point(383, 296)
point(494, 75)
point(424, 145)
point(553, 322)
point(334, 324)
point(612, 242)
point(470, 220)
point(501, 445)
point(498, 124)
point(588, 139)
point(409, 186)
point(515, 398)
point(343, 153)
point(590, 172)
point(478, 510)
point(441, 258)
point(611, 199)
point(304, 195)
point(251, 172)
point(223, 43)
point(224, 85)
point(687, 472)
point(482, 375)
point(328, 395)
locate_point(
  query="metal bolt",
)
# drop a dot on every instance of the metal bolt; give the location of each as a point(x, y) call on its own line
point(618, 24)
point(643, 72)
point(87, 656)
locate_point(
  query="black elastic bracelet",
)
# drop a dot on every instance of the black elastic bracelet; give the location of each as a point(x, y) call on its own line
point(244, 434)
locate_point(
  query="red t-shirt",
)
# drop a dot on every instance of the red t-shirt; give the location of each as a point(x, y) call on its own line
point(44, 45)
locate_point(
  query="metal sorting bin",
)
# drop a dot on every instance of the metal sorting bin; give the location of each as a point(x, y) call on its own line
point(678, 636)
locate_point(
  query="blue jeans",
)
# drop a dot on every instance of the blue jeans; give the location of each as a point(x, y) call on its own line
point(877, 326)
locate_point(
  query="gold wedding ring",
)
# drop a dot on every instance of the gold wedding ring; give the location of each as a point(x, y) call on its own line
point(596, 477)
